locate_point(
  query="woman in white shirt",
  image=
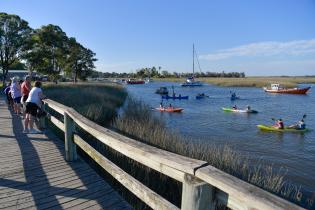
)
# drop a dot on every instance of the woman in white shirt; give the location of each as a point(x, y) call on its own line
point(33, 103)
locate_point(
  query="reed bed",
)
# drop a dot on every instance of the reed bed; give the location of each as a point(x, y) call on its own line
point(139, 123)
point(100, 103)
point(250, 81)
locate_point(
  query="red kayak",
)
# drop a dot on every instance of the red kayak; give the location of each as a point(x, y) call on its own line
point(169, 109)
point(275, 88)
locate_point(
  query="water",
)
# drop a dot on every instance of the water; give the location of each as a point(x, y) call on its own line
point(204, 119)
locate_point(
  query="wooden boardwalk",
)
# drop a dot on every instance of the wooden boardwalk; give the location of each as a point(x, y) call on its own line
point(35, 175)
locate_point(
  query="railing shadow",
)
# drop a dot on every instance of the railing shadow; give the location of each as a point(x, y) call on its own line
point(44, 193)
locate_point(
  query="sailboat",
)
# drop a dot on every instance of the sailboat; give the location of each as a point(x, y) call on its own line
point(190, 81)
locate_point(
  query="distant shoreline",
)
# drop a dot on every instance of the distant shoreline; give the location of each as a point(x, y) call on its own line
point(249, 81)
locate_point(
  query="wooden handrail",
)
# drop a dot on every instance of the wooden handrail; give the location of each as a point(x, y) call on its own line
point(202, 184)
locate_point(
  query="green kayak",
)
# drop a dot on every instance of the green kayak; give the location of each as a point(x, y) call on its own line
point(238, 110)
point(286, 129)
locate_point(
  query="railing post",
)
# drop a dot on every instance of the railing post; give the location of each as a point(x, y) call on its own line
point(197, 194)
point(71, 150)
point(43, 120)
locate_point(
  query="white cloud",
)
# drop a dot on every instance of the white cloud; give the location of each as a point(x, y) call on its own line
point(295, 48)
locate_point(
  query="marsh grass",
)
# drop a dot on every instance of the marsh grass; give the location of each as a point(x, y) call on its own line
point(100, 104)
point(139, 123)
point(250, 81)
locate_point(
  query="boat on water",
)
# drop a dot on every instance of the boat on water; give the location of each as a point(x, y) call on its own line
point(190, 81)
point(201, 96)
point(239, 110)
point(169, 109)
point(234, 97)
point(175, 97)
point(148, 80)
point(277, 88)
point(134, 82)
point(286, 129)
point(162, 91)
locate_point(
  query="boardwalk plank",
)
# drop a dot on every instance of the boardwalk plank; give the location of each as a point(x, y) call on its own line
point(35, 175)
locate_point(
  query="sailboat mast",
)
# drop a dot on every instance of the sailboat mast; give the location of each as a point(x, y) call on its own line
point(193, 59)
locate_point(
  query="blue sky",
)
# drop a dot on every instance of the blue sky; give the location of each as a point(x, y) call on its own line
point(259, 37)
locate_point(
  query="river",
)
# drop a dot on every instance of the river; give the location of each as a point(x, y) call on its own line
point(204, 119)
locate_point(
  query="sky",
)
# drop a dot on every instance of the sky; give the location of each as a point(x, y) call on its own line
point(258, 37)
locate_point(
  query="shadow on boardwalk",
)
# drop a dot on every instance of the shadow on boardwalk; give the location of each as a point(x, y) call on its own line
point(34, 174)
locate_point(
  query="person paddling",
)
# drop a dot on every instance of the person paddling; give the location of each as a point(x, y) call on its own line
point(279, 124)
point(300, 125)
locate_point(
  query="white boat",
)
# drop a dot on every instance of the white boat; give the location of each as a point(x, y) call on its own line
point(190, 81)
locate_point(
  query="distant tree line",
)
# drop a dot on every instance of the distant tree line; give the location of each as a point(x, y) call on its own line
point(154, 72)
point(47, 50)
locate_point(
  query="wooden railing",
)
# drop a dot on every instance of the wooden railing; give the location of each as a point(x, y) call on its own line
point(203, 185)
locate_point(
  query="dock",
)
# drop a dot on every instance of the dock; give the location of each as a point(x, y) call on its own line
point(35, 175)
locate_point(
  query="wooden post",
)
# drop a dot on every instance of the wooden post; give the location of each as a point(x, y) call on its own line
point(43, 120)
point(197, 194)
point(71, 150)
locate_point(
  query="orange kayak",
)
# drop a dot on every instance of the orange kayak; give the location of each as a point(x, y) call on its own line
point(169, 109)
point(289, 90)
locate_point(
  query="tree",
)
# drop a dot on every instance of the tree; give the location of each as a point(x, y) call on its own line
point(17, 65)
point(14, 32)
point(47, 50)
point(80, 60)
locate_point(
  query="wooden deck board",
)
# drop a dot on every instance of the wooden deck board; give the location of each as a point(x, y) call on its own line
point(35, 175)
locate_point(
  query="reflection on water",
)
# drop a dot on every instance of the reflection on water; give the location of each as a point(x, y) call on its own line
point(204, 119)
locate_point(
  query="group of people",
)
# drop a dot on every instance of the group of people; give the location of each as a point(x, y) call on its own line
point(162, 106)
point(25, 100)
point(300, 125)
point(248, 108)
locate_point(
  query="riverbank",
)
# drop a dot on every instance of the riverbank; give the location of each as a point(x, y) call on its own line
point(248, 81)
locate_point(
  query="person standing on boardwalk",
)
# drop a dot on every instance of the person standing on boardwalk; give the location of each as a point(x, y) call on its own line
point(15, 90)
point(26, 88)
point(33, 103)
point(7, 92)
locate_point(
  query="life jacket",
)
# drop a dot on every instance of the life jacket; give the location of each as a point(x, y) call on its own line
point(280, 125)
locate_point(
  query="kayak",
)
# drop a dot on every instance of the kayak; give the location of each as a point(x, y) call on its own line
point(286, 129)
point(201, 96)
point(238, 110)
point(174, 97)
point(234, 98)
point(169, 109)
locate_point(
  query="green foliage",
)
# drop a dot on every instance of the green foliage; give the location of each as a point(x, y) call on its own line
point(14, 32)
point(17, 65)
point(80, 60)
point(147, 72)
point(46, 50)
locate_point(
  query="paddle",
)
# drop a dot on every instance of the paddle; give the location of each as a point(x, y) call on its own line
point(304, 116)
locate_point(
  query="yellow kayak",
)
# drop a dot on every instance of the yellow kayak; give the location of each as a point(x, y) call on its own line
point(286, 129)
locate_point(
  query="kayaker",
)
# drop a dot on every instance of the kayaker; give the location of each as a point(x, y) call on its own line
point(161, 105)
point(279, 124)
point(248, 108)
point(234, 107)
point(300, 125)
point(170, 106)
